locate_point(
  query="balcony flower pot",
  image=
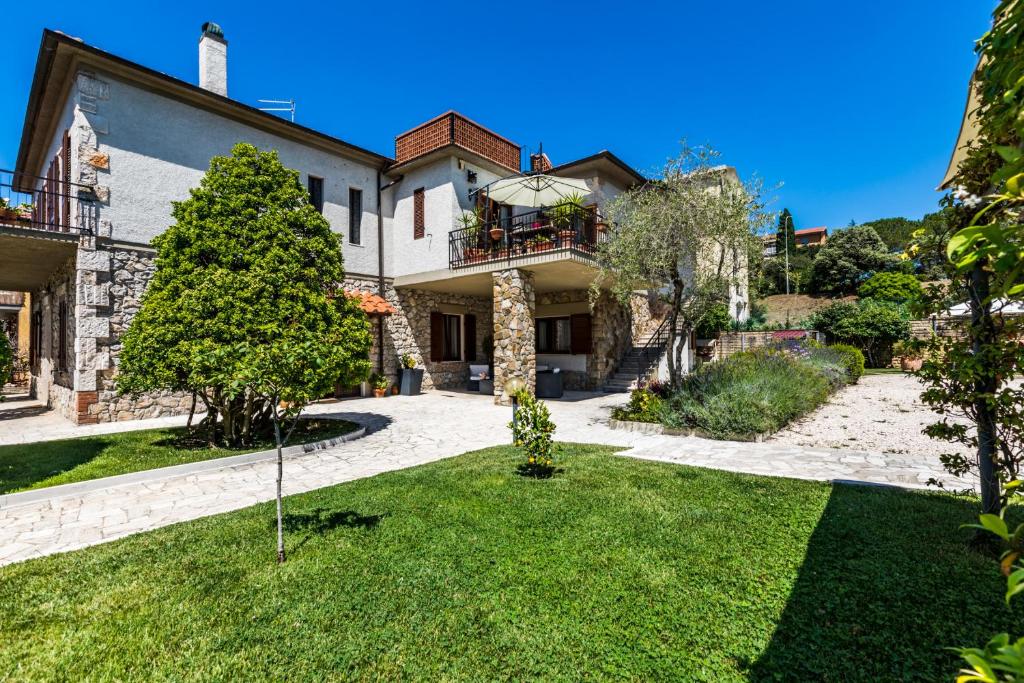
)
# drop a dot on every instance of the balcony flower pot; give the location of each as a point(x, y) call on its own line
point(601, 226)
point(473, 255)
point(908, 364)
point(565, 237)
point(497, 234)
point(545, 245)
point(411, 381)
point(8, 214)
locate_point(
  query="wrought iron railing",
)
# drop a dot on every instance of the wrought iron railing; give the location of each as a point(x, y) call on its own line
point(50, 204)
point(576, 229)
point(651, 352)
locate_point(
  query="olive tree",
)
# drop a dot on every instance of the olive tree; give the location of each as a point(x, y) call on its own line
point(685, 234)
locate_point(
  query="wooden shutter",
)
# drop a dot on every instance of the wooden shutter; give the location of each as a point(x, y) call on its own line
point(65, 190)
point(419, 219)
point(469, 333)
point(436, 336)
point(580, 329)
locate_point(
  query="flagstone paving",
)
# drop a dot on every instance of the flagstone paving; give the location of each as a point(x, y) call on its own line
point(402, 432)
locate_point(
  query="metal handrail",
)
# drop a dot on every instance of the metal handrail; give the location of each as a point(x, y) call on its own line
point(527, 234)
point(52, 205)
point(653, 346)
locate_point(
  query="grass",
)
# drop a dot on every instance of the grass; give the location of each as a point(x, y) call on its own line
point(461, 569)
point(49, 463)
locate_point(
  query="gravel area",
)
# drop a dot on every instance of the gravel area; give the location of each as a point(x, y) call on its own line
point(881, 413)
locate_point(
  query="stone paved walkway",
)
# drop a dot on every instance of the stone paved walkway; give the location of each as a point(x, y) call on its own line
point(404, 431)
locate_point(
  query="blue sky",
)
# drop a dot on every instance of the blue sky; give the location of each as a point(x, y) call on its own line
point(852, 106)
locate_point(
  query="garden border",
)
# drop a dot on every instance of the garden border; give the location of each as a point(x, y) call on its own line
point(655, 428)
point(79, 487)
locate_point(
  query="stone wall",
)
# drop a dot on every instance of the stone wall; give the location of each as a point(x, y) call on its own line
point(612, 336)
point(514, 342)
point(408, 332)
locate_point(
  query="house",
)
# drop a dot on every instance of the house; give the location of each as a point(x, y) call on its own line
point(769, 247)
point(108, 144)
point(811, 237)
point(14, 314)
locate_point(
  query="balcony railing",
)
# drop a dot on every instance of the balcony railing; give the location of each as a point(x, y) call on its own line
point(52, 205)
point(573, 229)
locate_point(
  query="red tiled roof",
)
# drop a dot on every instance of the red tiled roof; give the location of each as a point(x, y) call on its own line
point(789, 334)
point(372, 304)
point(812, 231)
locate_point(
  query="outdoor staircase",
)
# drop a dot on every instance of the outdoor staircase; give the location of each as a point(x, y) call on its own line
point(638, 361)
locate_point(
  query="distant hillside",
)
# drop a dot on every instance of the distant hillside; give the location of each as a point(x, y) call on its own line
point(795, 307)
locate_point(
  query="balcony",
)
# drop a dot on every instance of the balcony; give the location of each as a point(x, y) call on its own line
point(565, 232)
point(41, 220)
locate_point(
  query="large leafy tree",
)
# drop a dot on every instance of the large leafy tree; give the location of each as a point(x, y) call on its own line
point(848, 258)
point(873, 326)
point(685, 235)
point(244, 309)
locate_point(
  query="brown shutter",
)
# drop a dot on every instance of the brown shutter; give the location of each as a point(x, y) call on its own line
point(579, 325)
point(469, 323)
point(419, 220)
point(66, 180)
point(436, 336)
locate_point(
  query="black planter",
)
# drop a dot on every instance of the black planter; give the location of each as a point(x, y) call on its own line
point(411, 381)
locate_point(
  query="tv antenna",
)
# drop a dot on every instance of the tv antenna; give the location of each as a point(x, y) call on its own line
point(289, 108)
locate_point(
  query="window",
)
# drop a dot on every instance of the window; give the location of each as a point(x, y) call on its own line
point(62, 335)
point(316, 192)
point(554, 335)
point(452, 349)
point(419, 219)
point(355, 216)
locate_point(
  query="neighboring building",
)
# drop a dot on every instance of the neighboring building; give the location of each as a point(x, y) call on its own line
point(811, 237)
point(109, 144)
point(768, 245)
point(14, 320)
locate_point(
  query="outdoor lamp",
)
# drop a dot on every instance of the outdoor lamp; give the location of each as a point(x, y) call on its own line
point(512, 388)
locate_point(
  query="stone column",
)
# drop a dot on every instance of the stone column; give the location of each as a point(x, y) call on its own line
point(515, 349)
point(92, 325)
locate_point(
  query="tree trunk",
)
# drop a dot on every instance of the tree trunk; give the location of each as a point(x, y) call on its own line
point(191, 412)
point(983, 333)
point(674, 371)
point(280, 476)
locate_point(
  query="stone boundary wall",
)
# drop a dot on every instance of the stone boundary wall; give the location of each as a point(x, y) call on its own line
point(729, 343)
point(954, 328)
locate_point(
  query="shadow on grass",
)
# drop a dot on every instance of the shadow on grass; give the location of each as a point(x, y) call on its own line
point(537, 471)
point(887, 584)
point(23, 465)
point(321, 521)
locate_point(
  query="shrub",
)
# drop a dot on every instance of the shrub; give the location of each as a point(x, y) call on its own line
point(645, 405)
point(532, 430)
point(754, 392)
point(871, 326)
point(6, 359)
point(714, 320)
point(897, 287)
point(853, 360)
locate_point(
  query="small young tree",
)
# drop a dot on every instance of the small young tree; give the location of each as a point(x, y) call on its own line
point(6, 358)
point(847, 258)
point(685, 235)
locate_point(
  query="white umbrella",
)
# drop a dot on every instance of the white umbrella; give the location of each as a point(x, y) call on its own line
point(535, 190)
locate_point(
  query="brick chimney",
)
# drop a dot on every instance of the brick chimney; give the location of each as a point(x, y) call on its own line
point(539, 163)
point(213, 59)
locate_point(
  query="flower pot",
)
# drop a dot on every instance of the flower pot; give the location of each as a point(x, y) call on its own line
point(497, 234)
point(474, 255)
point(8, 214)
point(379, 393)
point(411, 381)
point(910, 364)
point(565, 237)
point(601, 226)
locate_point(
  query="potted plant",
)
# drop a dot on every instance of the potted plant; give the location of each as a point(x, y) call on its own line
point(411, 377)
point(910, 358)
point(7, 211)
point(540, 243)
point(25, 211)
point(379, 384)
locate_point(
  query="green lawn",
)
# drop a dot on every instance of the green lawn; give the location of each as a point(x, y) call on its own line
point(461, 569)
point(49, 463)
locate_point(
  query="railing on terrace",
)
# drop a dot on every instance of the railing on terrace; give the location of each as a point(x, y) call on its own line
point(575, 229)
point(50, 204)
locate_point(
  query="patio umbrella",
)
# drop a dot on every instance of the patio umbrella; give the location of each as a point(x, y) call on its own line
point(535, 190)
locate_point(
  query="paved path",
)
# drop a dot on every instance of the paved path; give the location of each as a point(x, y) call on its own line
point(404, 431)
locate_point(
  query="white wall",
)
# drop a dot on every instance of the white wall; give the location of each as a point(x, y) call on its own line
point(159, 148)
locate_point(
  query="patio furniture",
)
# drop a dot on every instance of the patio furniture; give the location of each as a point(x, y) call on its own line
point(487, 387)
point(549, 384)
point(476, 374)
